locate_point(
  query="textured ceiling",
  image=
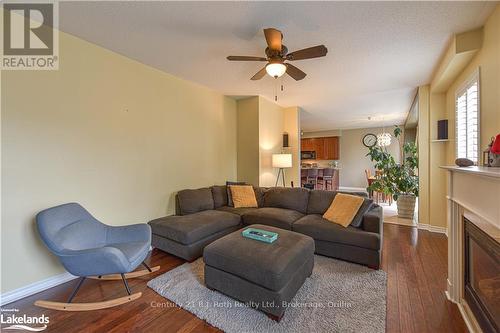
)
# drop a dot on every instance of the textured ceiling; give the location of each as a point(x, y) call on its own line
point(378, 51)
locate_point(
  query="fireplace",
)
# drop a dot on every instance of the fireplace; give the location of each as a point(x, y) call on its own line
point(482, 276)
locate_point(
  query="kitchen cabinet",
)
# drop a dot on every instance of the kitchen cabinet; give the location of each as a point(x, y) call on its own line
point(331, 148)
point(326, 148)
point(306, 145)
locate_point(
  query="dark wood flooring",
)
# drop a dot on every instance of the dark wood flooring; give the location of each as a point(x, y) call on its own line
point(415, 262)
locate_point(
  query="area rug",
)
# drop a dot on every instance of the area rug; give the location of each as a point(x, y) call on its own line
point(338, 297)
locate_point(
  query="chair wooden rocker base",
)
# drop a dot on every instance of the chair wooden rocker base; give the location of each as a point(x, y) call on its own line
point(68, 306)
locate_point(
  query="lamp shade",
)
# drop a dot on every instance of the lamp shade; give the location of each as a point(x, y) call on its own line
point(282, 160)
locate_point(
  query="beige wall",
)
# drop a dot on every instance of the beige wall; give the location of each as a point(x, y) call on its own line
point(271, 128)
point(292, 127)
point(488, 60)
point(110, 133)
point(261, 124)
point(353, 160)
point(248, 140)
point(442, 106)
point(423, 155)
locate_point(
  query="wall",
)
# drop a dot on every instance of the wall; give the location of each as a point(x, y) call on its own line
point(271, 128)
point(110, 133)
point(440, 104)
point(423, 155)
point(261, 124)
point(353, 160)
point(248, 140)
point(292, 127)
point(488, 60)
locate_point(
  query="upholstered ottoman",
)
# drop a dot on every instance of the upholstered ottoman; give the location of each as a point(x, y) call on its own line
point(266, 276)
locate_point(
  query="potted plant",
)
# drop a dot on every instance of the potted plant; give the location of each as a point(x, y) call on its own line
point(397, 179)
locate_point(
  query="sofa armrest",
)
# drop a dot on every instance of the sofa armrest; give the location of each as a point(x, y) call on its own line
point(373, 220)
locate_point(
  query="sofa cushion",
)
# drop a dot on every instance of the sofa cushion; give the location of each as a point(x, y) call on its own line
point(357, 221)
point(219, 193)
point(317, 227)
point(276, 217)
point(320, 200)
point(190, 228)
point(228, 191)
point(343, 209)
point(238, 211)
point(243, 196)
point(286, 197)
point(269, 265)
point(193, 201)
point(259, 195)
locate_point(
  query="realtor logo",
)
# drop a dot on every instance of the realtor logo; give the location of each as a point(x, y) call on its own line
point(30, 36)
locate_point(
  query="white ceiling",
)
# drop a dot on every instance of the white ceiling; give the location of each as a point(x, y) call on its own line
point(378, 51)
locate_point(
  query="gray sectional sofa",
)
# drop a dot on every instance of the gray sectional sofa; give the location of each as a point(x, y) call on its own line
point(204, 215)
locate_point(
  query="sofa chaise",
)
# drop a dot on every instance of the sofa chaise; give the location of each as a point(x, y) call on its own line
point(207, 214)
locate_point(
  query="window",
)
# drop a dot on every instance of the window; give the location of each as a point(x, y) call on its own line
point(467, 119)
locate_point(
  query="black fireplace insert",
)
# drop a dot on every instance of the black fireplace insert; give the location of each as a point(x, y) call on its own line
point(482, 276)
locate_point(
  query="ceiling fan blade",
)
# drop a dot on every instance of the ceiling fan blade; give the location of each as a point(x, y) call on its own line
point(310, 52)
point(259, 75)
point(273, 38)
point(245, 58)
point(294, 72)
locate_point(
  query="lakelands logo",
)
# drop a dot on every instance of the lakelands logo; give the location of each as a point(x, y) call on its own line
point(30, 36)
point(16, 321)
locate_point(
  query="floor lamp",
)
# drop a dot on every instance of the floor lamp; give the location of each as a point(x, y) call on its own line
point(282, 161)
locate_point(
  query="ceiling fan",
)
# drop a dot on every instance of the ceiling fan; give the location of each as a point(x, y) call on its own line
point(277, 53)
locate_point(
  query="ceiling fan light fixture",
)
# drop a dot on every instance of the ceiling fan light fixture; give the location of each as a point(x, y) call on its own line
point(275, 69)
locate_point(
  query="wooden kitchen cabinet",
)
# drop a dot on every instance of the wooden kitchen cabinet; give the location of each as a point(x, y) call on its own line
point(319, 148)
point(326, 148)
point(306, 145)
point(331, 148)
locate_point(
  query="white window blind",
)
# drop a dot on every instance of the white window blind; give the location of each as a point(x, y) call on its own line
point(467, 119)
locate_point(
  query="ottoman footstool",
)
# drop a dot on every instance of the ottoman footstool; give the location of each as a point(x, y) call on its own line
point(265, 276)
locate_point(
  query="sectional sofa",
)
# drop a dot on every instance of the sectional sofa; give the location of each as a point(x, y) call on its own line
point(207, 214)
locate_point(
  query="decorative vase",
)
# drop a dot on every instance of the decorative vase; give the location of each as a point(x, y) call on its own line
point(406, 205)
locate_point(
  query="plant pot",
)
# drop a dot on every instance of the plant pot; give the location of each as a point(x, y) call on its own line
point(406, 206)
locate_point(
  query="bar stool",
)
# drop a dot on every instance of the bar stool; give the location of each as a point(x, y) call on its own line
point(327, 178)
point(312, 177)
point(303, 177)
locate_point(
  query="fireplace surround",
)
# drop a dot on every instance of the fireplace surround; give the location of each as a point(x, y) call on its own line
point(473, 216)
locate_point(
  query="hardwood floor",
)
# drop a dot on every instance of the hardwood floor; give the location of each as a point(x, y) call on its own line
point(415, 262)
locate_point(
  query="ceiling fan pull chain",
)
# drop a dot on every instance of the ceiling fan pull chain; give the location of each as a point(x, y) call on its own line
point(276, 89)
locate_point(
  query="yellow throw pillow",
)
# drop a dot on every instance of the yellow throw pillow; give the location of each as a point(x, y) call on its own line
point(343, 209)
point(243, 196)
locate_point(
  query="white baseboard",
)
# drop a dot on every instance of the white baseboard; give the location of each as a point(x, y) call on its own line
point(408, 224)
point(433, 228)
point(352, 189)
point(428, 227)
point(33, 288)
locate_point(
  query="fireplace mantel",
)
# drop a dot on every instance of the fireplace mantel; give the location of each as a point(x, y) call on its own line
point(474, 193)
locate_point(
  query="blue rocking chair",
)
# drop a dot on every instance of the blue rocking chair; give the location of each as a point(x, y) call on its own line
point(90, 249)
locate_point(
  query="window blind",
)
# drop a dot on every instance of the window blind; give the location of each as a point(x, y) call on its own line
point(467, 120)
